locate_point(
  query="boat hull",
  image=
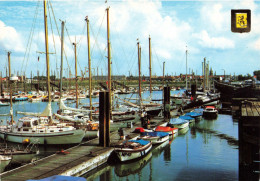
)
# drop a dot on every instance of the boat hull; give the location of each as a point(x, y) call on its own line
point(131, 154)
point(155, 140)
point(180, 126)
point(5, 160)
point(66, 137)
point(210, 115)
point(23, 158)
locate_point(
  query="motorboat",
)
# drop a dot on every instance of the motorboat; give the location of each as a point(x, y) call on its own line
point(197, 116)
point(178, 123)
point(167, 129)
point(132, 149)
point(155, 137)
point(210, 112)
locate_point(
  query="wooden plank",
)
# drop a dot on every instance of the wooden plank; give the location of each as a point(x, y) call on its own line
point(255, 112)
point(243, 110)
point(249, 110)
point(258, 109)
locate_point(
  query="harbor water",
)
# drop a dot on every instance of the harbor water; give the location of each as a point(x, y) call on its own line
point(208, 150)
point(199, 153)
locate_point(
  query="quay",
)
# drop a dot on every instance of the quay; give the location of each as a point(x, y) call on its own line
point(74, 161)
point(249, 142)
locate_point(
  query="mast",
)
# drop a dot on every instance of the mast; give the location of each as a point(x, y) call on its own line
point(1, 84)
point(47, 51)
point(10, 87)
point(31, 80)
point(61, 64)
point(186, 70)
point(89, 70)
point(76, 73)
point(163, 73)
point(109, 60)
point(204, 74)
point(139, 68)
point(38, 81)
point(150, 65)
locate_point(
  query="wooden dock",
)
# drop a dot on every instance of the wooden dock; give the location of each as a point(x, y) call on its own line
point(75, 161)
point(249, 140)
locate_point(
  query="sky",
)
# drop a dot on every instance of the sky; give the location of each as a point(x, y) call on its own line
point(203, 28)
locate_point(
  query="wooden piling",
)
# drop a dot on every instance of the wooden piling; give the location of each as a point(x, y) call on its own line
point(166, 102)
point(104, 119)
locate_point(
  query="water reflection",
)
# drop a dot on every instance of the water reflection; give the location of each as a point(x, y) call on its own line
point(125, 169)
point(103, 172)
point(158, 149)
point(183, 131)
point(205, 174)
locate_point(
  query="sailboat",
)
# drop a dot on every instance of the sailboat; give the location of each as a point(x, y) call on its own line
point(41, 128)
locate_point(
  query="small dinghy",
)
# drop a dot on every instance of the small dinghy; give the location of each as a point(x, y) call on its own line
point(178, 123)
point(210, 112)
point(171, 131)
point(155, 137)
point(132, 149)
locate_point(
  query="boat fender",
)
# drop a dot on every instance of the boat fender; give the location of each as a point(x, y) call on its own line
point(129, 154)
point(26, 141)
point(123, 153)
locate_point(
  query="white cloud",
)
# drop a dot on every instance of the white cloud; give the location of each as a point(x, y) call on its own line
point(214, 17)
point(10, 40)
point(214, 42)
point(256, 45)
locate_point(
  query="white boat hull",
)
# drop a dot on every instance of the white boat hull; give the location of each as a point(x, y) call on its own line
point(66, 137)
point(181, 126)
point(130, 154)
point(155, 140)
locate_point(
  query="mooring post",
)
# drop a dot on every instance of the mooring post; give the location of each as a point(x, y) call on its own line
point(166, 103)
point(104, 121)
point(193, 91)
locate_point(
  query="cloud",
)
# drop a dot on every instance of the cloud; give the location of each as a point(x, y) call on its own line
point(214, 42)
point(214, 17)
point(10, 40)
point(256, 45)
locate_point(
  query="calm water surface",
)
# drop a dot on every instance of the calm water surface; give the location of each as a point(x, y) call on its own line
point(194, 155)
point(198, 154)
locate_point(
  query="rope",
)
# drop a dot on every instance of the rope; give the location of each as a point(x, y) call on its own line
point(28, 46)
point(134, 49)
point(59, 35)
point(96, 42)
point(52, 34)
point(158, 60)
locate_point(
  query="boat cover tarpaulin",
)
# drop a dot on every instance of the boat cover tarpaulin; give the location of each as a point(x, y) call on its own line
point(141, 142)
point(61, 178)
point(186, 117)
point(163, 128)
point(177, 121)
point(155, 134)
point(139, 130)
point(193, 114)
